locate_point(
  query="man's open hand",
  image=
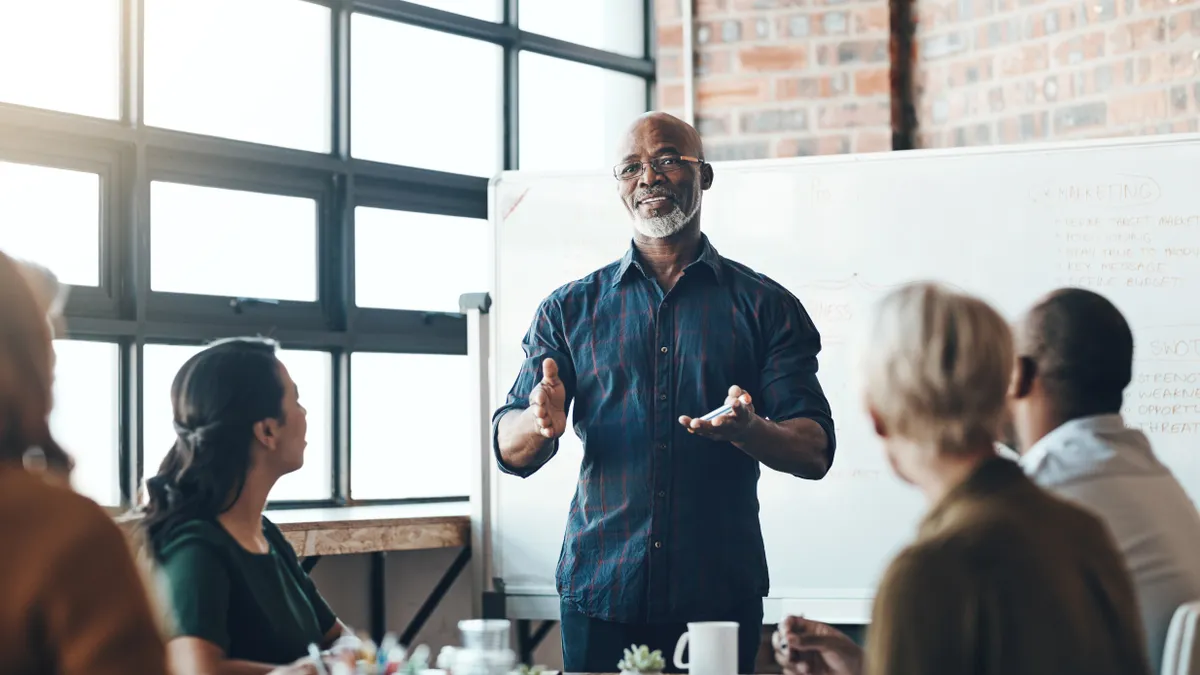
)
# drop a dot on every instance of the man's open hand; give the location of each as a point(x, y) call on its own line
point(548, 401)
point(729, 426)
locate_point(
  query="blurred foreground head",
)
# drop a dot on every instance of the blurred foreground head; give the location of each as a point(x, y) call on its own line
point(30, 298)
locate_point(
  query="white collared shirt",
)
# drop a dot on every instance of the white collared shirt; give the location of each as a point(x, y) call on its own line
point(1110, 469)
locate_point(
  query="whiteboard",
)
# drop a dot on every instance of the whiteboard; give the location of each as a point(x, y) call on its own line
point(1009, 224)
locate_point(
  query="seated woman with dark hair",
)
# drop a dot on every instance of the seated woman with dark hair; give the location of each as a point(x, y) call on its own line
point(239, 600)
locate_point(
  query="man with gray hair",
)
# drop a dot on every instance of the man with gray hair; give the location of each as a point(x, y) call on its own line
point(663, 528)
point(1075, 359)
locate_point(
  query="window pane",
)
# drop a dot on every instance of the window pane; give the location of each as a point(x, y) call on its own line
point(252, 71)
point(488, 10)
point(603, 105)
point(62, 54)
point(396, 266)
point(213, 241)
point(312, 374)
point(41, 209)
point(86, 417)
point(612, 25)
point(406, 432)
point(443, 114)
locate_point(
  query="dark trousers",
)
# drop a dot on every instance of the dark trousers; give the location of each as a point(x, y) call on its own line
point(596, 646)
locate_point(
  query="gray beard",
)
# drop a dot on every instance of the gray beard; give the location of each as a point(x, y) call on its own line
point(660, 227)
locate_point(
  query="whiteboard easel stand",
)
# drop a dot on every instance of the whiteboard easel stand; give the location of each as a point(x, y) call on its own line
point(476, 307)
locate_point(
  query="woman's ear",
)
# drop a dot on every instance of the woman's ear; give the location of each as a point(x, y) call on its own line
point(266, 432)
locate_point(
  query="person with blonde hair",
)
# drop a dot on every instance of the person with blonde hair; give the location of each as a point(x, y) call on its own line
point(1003, 577)
point(71, 599)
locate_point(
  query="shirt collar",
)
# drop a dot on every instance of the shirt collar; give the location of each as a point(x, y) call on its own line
point(1040, 451)
point(708, 256)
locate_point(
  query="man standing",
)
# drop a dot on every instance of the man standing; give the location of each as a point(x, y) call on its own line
point(1075, 360)
point(663, 528)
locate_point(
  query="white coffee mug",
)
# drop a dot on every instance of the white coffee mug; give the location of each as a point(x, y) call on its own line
point(712, 648)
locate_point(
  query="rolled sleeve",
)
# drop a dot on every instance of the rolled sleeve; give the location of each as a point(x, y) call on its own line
point(545, 339)
point(790, 388)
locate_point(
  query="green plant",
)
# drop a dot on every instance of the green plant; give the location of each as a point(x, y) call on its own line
point(642, 660)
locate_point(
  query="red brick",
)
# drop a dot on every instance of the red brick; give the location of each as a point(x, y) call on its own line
point(931, 15)
point(713, 62)
point(967, 72)
point(1184, 25)
point(1024, 60)
point(670, 35)
point(667, 10)
point(813, 145)
point(743, 5)
point(1081, 48)
point(873, 141)
point(848, 52)
point(1141, 107)
point(668, 67)
point(817, 86)
point(872, 82)
point(770, 59)
point(670, 95)
point(707, 7)
point(731, 91)
point(1147, 6)
point(871, 20)
point(1165, 67)
point(856, 114)
point(713, 125)
point(1137, 35)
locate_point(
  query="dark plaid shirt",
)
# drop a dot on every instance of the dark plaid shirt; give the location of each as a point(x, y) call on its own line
point(664, 524)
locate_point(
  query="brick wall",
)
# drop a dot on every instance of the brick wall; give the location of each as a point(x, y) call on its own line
point(1010, 71)
point(779, 78)
point(776, 78)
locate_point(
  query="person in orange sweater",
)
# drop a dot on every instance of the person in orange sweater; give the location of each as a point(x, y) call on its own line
point(71, 599)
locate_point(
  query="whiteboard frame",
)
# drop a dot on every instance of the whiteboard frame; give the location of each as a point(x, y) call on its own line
point(846, 606)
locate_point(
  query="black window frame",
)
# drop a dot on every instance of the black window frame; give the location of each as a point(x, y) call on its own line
point(128, 156)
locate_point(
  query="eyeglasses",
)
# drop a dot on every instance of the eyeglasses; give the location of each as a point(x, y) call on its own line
point(664, 164)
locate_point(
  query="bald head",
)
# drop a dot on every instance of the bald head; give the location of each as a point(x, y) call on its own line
point(652, 127)
point(1082, 351)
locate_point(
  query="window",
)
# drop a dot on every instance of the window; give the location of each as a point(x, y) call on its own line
point(612, 25)
point(394, 268)
point(406, 426)
point(213, 241)
point(488, 10)
point(41, 209)
point(311, 372)
point(442, 115)
point(603, 104)
point(253, 71)
point(62, 55)
point(316, 171)
point(86, 415)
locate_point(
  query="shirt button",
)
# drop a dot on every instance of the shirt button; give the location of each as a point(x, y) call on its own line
point(662, 397)
point(662, 493)
point(662, 446)
point(663, 350)
point(658, 544)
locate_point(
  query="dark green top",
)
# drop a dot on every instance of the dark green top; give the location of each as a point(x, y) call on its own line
point(257, 607)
